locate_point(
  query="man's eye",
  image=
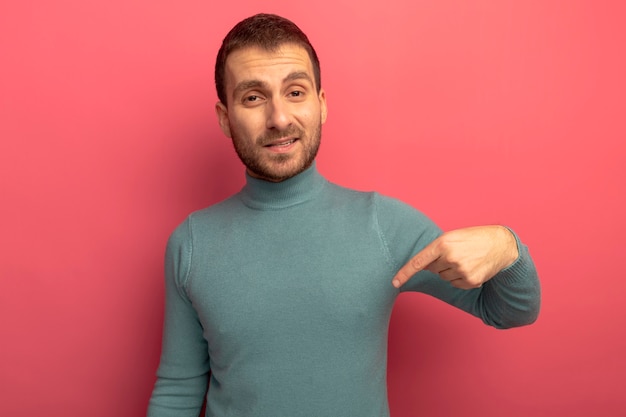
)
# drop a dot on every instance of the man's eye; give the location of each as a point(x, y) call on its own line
point(252, 98)
point(296, 93)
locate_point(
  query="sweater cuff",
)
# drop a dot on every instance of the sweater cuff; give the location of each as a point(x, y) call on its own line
point(521, 269)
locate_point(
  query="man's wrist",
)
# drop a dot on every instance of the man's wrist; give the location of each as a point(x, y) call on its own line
point(511, 252)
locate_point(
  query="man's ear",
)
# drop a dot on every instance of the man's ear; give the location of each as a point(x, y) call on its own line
point(222, 118)
point(323, 108)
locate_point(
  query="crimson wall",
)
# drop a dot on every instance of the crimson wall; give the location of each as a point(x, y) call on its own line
point(475, 112)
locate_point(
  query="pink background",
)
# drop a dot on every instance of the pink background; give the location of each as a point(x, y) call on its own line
point(475, 112)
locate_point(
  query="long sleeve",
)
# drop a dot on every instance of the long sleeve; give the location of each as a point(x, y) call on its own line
point(182, 376)
point(509, 299)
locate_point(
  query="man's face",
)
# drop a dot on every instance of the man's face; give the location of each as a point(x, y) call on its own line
point(274, 114)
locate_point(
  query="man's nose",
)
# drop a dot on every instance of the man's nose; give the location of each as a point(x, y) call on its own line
point(278, 115)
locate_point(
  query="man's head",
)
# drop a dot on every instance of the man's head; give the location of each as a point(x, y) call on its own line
point(271, 104)
point(265, 31)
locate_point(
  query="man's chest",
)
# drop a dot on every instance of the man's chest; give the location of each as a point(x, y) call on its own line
point(301, 287)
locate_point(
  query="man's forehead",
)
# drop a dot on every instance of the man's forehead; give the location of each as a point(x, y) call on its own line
point(251, 60)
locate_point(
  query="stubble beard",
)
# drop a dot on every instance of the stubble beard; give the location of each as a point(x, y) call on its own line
point(278, 167)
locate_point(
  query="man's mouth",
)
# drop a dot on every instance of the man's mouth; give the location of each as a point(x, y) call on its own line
point(281, 143)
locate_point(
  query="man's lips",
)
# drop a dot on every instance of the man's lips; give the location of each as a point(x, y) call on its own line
point(281, 143)
point(281, 146)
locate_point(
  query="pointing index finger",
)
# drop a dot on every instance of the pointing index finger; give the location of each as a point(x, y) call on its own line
point(417, 263)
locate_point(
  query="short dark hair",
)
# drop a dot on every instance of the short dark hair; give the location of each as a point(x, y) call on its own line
point(267, 31)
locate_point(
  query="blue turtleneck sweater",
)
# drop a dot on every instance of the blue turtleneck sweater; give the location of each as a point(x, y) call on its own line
point(280, 297)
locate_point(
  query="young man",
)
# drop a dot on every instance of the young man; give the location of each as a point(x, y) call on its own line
point(280, 296)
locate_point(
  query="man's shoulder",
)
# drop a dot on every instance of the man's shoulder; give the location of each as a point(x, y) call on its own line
point(205, 216)
point(216, 209)
point(370, 197)
point(385, 207)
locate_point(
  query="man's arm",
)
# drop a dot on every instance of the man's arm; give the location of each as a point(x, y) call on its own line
point(182, 376)
point(491, 264)
point(466, 258)
point(490, 261)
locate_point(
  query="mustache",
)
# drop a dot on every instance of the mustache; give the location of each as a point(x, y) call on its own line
point(273, 135)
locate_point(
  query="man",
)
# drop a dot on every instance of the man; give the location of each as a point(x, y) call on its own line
point(281, 295)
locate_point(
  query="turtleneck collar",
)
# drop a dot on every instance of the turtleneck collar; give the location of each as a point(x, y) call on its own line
point(265, 195)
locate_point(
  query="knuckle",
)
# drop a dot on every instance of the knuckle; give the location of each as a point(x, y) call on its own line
point(461, 270)
point(474, 283)
point(443, 244)
point(417, 262)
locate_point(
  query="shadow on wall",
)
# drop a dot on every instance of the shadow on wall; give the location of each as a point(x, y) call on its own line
point(202, 170)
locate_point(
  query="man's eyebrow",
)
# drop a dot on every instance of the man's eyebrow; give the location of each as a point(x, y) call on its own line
point(299, 75)
point(246, 84)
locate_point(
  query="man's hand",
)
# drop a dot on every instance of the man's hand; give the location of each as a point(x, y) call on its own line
point(466, 258)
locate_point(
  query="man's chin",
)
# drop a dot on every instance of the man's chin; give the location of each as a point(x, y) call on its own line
point(279, 172)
